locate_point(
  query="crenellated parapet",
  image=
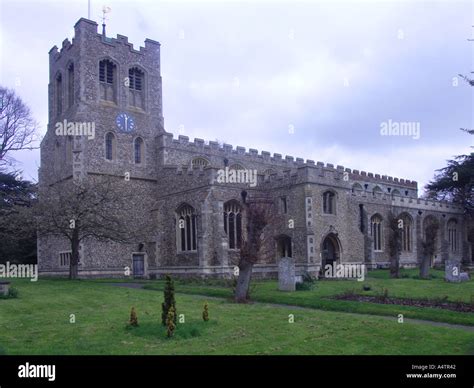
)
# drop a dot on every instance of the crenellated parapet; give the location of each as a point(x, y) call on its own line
point(85, 28)
point(265, 160)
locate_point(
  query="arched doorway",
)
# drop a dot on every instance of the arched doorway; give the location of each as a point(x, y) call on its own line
point(330, 251)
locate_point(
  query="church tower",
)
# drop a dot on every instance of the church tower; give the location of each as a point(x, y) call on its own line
point(105, 107)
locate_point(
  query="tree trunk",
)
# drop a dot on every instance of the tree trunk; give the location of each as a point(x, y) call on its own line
point(395, 266)
point(243, 283)
point(425, 267)
point(73, 266)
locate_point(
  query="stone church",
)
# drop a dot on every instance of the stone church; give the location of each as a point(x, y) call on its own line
point(327, 214)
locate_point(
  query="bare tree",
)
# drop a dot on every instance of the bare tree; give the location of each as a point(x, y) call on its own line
point(395, 243)
point(17, 126)
point(102, 209)
point(258, 215)
point(428, 246)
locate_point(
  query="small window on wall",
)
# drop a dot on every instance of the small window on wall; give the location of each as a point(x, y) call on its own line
point(329, 202)
point(110, 146)
point(138, 150)
point(59, 94)
point(70, 85)
point(283, 205)
point(199, 163)
point(65, 259)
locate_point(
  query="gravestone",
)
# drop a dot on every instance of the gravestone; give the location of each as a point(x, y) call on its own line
point(286, 274)
point(4, 288)
point(453, 272)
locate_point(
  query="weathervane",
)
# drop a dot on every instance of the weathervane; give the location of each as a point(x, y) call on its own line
point(105, 10)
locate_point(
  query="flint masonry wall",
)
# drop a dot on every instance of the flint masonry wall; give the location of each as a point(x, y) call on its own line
point(167, 179)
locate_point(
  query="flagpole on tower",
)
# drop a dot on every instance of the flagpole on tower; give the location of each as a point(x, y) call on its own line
point(89, 9)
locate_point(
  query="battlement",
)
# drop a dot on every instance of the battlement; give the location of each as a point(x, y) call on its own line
point(89, 28)
point(409, 202)
point(213, 148)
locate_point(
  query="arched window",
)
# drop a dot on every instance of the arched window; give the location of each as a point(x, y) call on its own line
point(395, 193)
point(233, 224)
point(453, 236)
point(406, 232)
point(138, 150)
point(377, 191)
point(108, 80)
point(199, 163)
point(268, 173)
point(356, 188)
point(136, 87)
point(329, 202)
point(376, 231)
point(110, 146)
point(186, 236)
point(70, 85)
point(236, 166)
point(59, 94)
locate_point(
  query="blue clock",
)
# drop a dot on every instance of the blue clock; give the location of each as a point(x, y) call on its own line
point(125, 122)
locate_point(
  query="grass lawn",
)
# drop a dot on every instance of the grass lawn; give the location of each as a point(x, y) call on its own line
point(408, 286)
point(38, 322)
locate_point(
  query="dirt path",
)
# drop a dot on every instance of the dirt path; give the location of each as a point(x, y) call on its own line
point(293, 307)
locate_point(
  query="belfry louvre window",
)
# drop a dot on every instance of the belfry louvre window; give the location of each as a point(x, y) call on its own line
point(233, 224)
point(452, 236)
point(108, 80)
point(186, 229)
point(329, 202)
point(376, 231)
point(136, 79)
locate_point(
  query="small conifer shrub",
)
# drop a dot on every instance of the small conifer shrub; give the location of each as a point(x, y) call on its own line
point(205, 313)
point(170, 322)
point(169, 301)
point(133, 318)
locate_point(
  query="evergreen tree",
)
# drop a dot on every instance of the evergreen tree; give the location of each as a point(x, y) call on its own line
point(133, 317)
point(205, 313)
point(170, 322)
point(169, 301)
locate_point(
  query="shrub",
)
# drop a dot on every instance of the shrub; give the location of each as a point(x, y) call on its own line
point(384, 293)
point(170, 322)
point(307, 284)
point(303, 286)
point(205, 313)
point(169, 301)
point(348, 293)
point(133, 317)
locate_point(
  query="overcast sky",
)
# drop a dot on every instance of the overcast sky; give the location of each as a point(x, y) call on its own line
point(313, 79)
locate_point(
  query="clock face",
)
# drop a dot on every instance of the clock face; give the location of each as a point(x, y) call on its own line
point(125, 122)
